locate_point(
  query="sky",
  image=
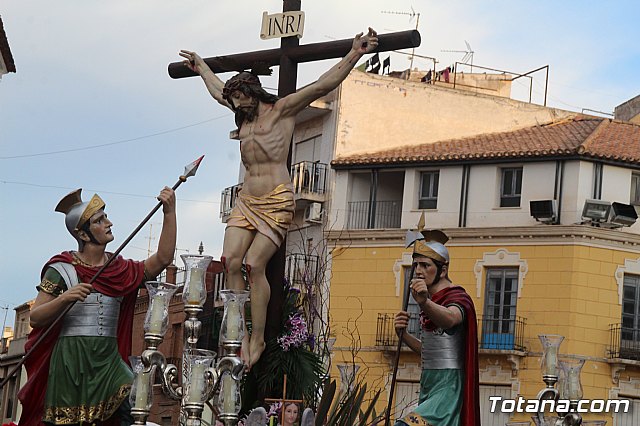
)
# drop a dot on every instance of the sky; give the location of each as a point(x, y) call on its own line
point(92, 106)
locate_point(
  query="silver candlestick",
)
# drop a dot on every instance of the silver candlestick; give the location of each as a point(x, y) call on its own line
point(199, 380)
point(230, 367)
point(570, 387)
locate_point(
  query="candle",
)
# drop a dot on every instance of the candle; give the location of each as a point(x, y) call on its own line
point(233, 320)
point(156, 316)
point(551, 361)
point(229, 394)
point(574, 386)
point(142, 390)
point(197, 383)
point(195, 286)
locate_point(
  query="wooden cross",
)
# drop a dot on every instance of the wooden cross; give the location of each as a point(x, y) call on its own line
point(284, 400)
point(287, 57)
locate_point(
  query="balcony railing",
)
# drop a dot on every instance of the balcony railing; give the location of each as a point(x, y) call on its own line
point(309, 178)
point(502, 333)
point(624, 342)
point(499, 334)
point(302, 270)
point(378, 215)
point(218, 284)
point(228, 200)
point(386, 333)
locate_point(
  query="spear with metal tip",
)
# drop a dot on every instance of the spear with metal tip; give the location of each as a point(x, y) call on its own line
point(410, 239)
point(189, 170)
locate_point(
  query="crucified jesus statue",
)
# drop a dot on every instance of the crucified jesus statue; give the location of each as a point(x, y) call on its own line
point(265, 205)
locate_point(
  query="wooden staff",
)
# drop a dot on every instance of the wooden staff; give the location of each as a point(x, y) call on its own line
point(405, 306)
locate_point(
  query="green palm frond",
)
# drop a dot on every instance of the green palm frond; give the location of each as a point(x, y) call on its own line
point(304, 368)
point(346, 410)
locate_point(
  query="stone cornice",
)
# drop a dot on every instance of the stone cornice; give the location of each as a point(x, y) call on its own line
point(517, 235)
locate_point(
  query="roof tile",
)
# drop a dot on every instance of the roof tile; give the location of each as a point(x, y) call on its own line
point(585, 136)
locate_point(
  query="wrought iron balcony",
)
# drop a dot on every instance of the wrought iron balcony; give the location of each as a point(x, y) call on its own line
point(309, 180)
point(386, 333)
point(624, 342)
point(302, 270)
point(228, 201)
point(497, 334)
point(378, 215)
point(506, 334)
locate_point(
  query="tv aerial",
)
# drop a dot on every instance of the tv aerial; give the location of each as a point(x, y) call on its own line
point(412, 14)
point(468, 54)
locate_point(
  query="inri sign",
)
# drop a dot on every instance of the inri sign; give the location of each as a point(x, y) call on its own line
point(285, 24)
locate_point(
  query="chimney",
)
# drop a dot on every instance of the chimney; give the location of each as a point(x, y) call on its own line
point(172, 272)
point(629, 110)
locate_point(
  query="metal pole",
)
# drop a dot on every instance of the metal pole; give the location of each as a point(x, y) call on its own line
point(413, 50)
point(4, 323)
point(546, 83)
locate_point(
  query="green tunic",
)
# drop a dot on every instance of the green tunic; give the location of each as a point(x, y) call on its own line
point(88, 380)
point(439, 401)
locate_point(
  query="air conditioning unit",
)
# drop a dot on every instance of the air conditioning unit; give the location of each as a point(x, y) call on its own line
point(313, 213)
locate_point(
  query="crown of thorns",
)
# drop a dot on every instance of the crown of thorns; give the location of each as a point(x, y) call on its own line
point(238, 81)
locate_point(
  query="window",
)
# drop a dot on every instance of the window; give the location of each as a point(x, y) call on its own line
point(308, 150)
point(632, 417)
point(511, 187)
point(630, 330)
point(499, 320)
point(377, 200)
point(635, 189)
point(428, 190)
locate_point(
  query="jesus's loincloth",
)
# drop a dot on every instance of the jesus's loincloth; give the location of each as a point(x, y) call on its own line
point(269, 214)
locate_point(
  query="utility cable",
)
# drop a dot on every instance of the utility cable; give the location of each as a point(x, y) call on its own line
point(85, 148)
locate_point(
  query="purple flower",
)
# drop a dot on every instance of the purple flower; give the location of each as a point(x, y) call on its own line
point(274, 409)
point(296, 333)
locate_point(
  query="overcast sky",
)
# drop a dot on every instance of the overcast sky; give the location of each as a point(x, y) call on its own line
point(92, 105)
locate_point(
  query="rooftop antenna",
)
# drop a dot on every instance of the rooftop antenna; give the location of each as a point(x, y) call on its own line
point(411, 15)
point(150, 237)
point(468, 54)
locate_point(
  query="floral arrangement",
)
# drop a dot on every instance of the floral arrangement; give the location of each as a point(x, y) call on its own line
point(296, 333)
point(292, 354)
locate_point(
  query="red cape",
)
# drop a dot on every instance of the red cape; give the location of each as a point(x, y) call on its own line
point(121, 278)
point(471, 393)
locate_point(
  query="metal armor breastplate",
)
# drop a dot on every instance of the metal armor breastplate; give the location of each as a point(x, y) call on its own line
point(96, 316)
point(441, 350)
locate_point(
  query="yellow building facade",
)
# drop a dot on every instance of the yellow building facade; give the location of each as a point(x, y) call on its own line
point(565, 280)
